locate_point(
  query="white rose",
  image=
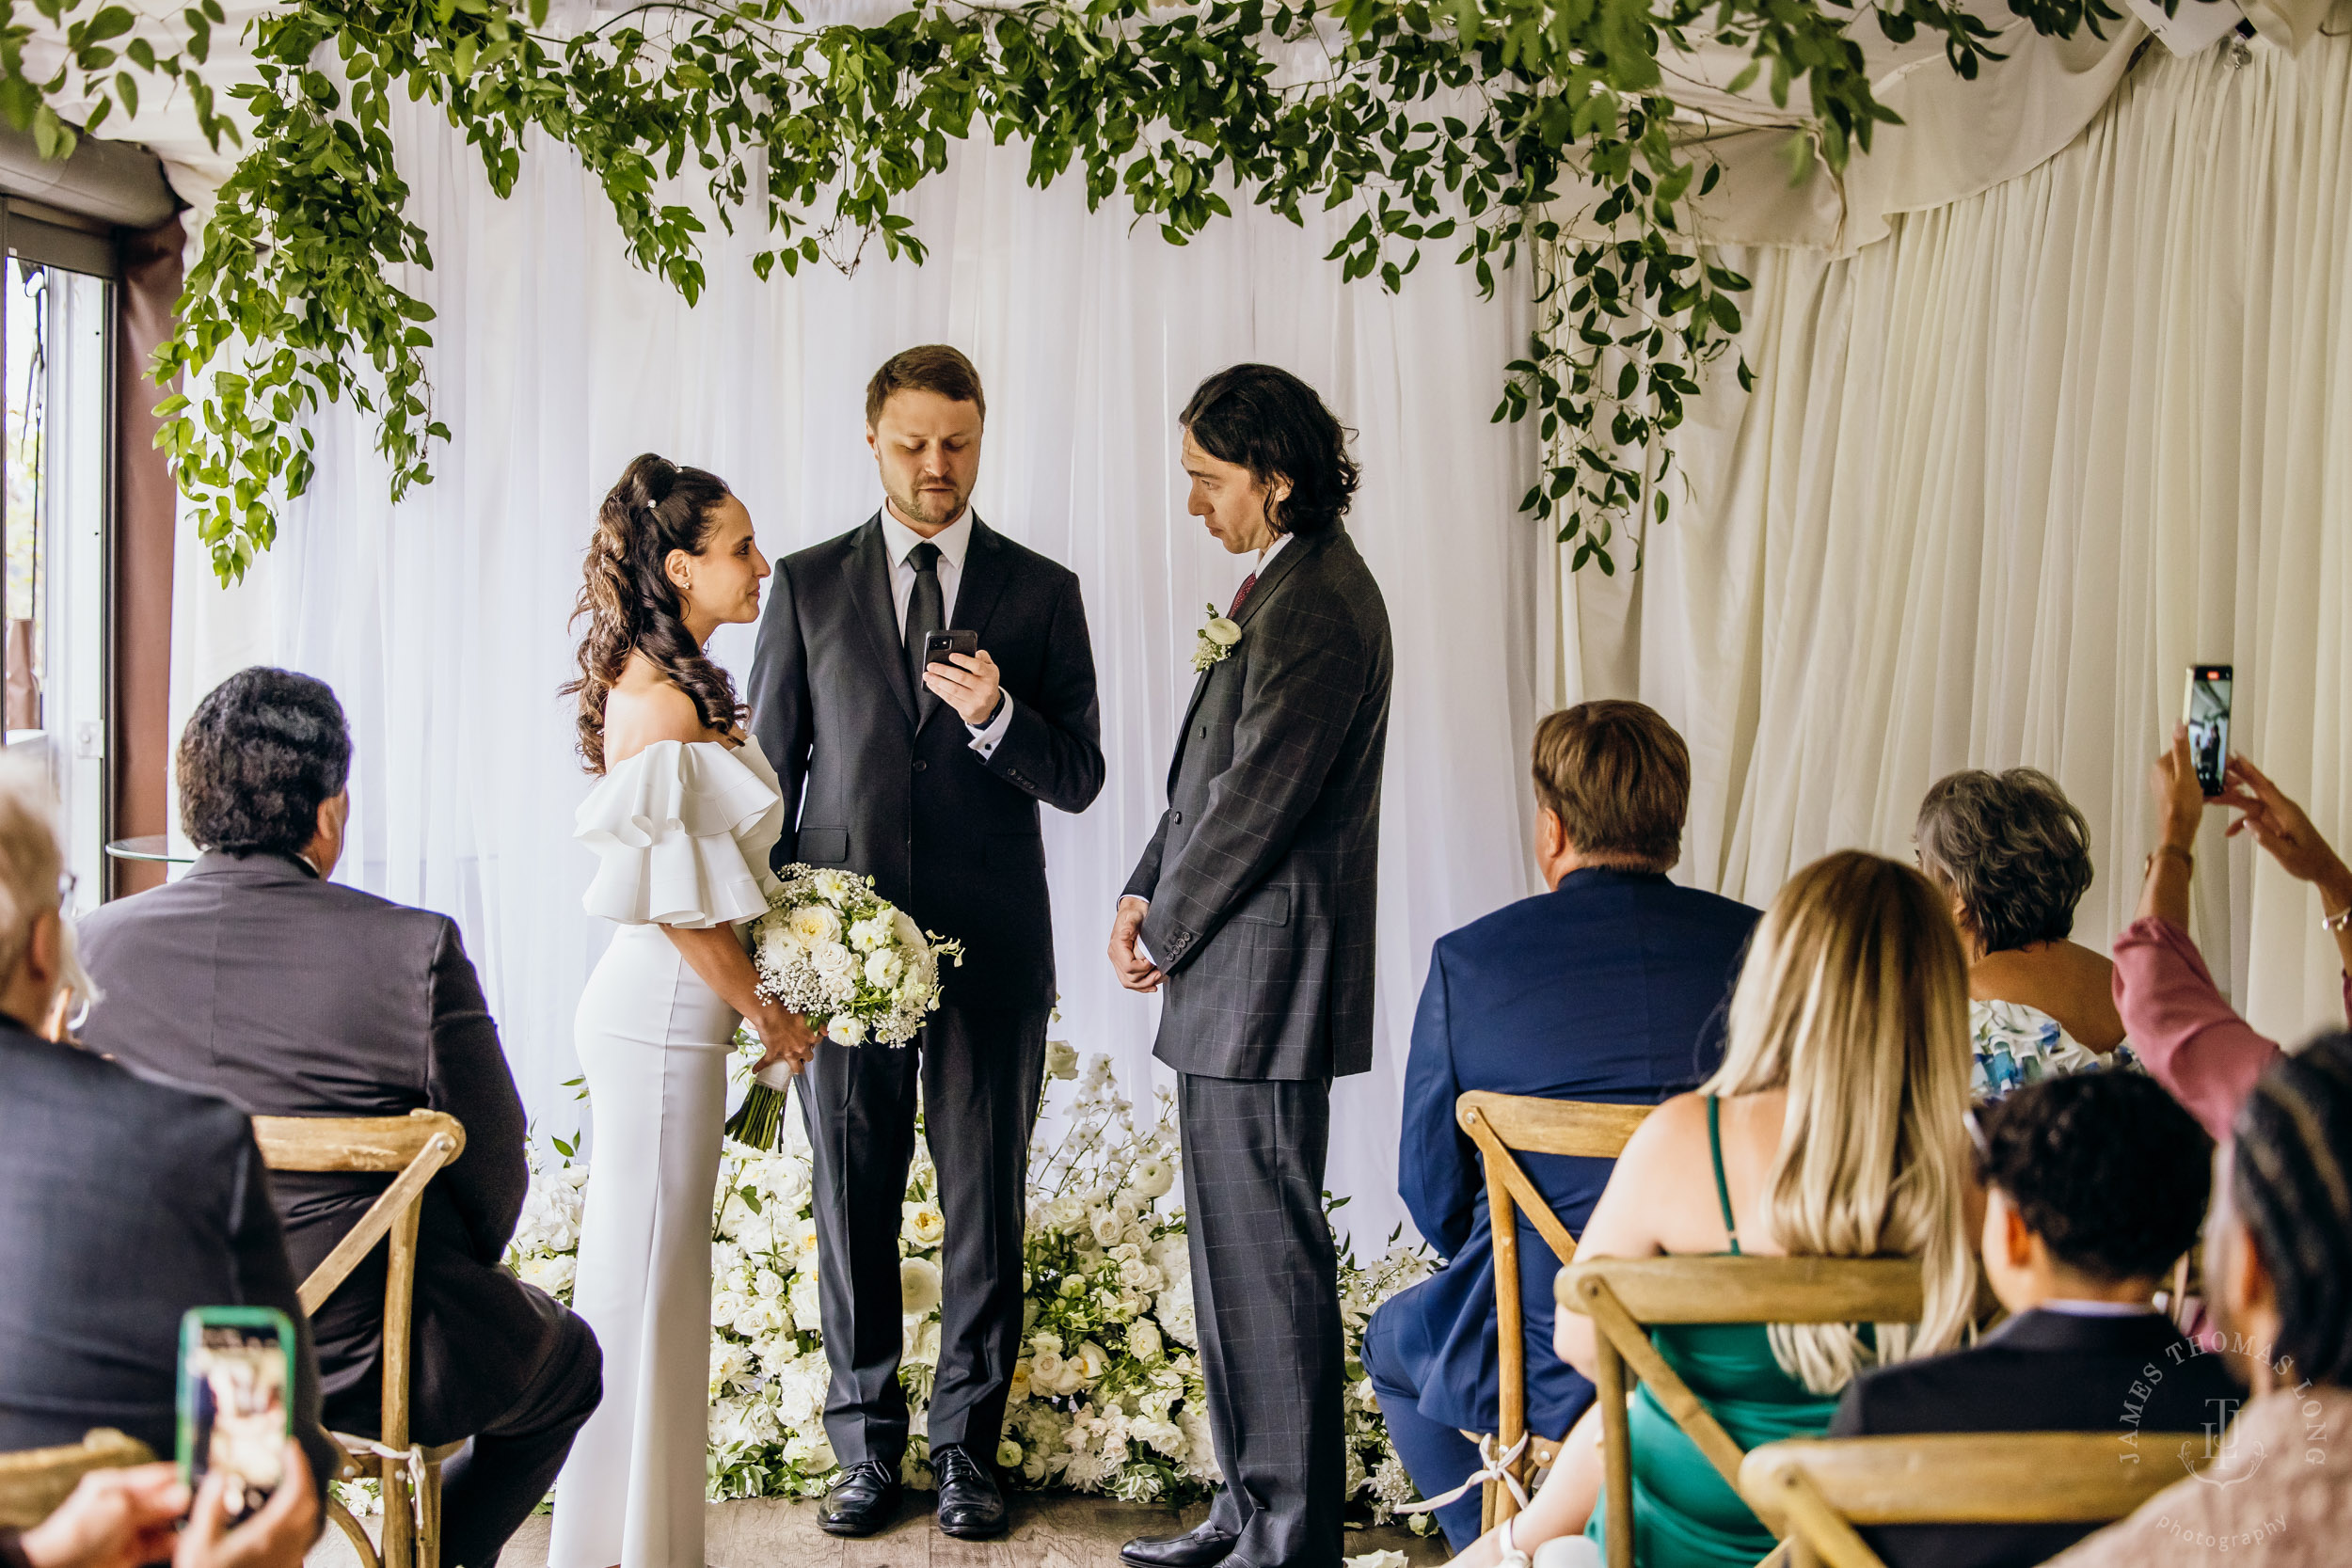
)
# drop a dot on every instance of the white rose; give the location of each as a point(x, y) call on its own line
point(924, 1224)
point(798, 1246)
point(778, 944)
point(1136, 1275)
point(813, 926)
point(1061, 1059)
point(1007, 1454)
point(552, 1275)
point(725, 1307)
point(1143, 1340)
point(907, 933)
point(1109, 1230)
point(1175, 1310)
point(806, 1316)
point(1045, 1370)
point(848, 1029)
point(832, 960)
point(918, 1285)
point(882, 968)
point(920, 1344)
point(1152, 1180)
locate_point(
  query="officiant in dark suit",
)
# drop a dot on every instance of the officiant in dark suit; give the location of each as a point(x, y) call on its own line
point(926, 776)
point(1254, 904)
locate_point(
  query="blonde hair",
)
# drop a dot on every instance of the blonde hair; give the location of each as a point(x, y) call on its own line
point(1855, 1000)
point(31, 868)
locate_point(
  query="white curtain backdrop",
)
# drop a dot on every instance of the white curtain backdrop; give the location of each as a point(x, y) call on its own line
point(441, 622)
point(2002, 477)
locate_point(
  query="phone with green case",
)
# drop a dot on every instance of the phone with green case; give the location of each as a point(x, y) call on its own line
point(236, 1400)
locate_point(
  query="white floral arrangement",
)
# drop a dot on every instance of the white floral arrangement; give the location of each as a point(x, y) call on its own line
point(857, 967)
point(1108, 1397)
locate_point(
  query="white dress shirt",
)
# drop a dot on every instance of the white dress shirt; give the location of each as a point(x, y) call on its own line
point(953, 541)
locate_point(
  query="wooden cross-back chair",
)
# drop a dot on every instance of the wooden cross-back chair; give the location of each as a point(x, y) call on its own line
point(1821, 1489)
point(32, 1482)
point(1625, 1296)
point(412, 1149)
point(1502, 1125)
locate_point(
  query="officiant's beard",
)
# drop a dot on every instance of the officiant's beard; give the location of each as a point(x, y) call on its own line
point(930, 508)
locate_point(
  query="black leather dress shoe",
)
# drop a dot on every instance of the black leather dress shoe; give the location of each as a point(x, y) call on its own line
point(1202, 1546)
point(863, 1500)
point(970, 1506)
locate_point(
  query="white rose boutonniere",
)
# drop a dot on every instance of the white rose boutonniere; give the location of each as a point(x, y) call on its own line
point(1215, 641)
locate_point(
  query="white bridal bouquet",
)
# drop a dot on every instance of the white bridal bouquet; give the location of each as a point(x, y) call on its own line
point(856, 966)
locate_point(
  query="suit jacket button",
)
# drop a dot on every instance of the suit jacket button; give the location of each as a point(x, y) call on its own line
point(1177, 817)
point(1203, 732)
point(920, 765)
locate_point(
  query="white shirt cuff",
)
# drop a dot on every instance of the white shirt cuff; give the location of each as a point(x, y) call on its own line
point(984, 740)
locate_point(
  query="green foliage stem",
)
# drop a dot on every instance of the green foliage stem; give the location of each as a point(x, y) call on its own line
point(1496, 130)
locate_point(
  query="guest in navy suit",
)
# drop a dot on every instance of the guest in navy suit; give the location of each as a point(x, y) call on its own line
point(1611, 987)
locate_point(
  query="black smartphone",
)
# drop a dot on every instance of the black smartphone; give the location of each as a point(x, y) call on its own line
point(937, 646)
point(236, 1400)
point(2206, 711)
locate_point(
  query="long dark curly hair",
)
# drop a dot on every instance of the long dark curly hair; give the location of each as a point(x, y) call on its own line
point(632, 606)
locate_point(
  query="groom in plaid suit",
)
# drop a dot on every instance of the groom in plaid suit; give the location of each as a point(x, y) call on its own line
point(1251, 912)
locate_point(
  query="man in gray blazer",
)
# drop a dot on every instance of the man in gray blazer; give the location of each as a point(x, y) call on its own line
point(1253, 904)
point(256, 978)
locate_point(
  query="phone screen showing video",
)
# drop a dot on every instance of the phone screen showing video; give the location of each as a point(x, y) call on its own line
point(2208, 718)
point(234, 1400)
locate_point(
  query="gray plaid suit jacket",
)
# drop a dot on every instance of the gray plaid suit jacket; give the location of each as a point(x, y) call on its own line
point(1263, 872)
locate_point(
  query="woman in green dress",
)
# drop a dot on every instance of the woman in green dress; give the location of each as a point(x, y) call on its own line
point(1834, 1127)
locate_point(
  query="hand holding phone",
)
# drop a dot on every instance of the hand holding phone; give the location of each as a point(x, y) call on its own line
point(938, 645)
point(236, 1392)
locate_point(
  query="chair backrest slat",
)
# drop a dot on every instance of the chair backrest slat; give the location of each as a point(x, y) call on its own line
point(351, 1143)
point(1500, 1124)
point(34, 1482)
point(1686, 1290)
point(2008, 1477)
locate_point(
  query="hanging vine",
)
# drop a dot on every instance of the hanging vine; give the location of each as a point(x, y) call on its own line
point(1475, 127)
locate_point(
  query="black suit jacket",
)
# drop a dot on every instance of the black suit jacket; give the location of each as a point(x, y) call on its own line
point(882, 779)
point(126, 1200)
point(1265, 870)
point(292, 997)
point(2040, 1372)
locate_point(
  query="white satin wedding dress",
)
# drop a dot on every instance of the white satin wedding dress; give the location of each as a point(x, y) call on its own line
point(682, 833)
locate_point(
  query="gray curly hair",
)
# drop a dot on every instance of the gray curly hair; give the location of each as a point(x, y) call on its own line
point(2011, 847)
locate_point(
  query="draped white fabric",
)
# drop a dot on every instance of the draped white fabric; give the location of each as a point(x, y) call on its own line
point(2002, 477)
point(441, 622)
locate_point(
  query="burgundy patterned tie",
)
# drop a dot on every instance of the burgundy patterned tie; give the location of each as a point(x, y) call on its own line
point(1241, 594)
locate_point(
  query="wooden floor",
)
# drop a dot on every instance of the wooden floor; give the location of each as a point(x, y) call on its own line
point(1052, 1532)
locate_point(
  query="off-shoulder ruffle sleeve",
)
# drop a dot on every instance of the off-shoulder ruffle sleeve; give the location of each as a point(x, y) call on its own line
point(667, 827)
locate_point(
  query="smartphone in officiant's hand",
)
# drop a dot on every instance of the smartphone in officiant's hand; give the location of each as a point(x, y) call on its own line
point(236, 1400)
point(937, 646)
point(2206, 711)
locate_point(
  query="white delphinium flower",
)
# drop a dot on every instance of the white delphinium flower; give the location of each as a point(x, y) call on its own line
point(918, 1285)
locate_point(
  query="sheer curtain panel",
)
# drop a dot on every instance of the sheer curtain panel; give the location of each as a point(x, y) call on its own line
point(2002, 477)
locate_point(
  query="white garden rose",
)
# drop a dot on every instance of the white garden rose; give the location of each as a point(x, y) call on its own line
point(923, 1226)
point(1061, 1059)
point(1136, 1275)
point(1151, 1180)
point(553, 1274)
point(1110, 1229)
point(1143, 1340)
point(1174, 1310)
point(803, 1301)
point(813, 926)
point(918, 1285)
point(1045, 1370)
point(920, 1346)
point(725, 1307)
point(832, 960)
point(777, 945)
point(728, 1362)
point(882, 968)
point(798, 1246)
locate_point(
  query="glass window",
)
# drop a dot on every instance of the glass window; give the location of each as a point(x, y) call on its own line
point(52, 457)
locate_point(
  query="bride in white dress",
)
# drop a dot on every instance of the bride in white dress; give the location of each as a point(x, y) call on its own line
point(682, 826)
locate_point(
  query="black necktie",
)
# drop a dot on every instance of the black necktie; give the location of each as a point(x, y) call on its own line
point(925, 609)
